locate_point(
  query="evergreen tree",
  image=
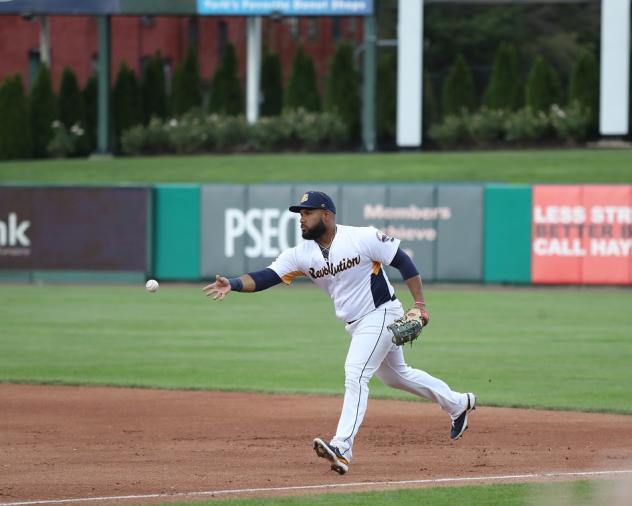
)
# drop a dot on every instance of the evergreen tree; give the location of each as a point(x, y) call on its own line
point(302, 91)
point(386, 97)
point(504, 90)
point(173, 100)
point(543, 86)
point(42, 111)
point(91, 100)
point(475, 28)
point(226, 96)
point(343, 89)
point(430, 109)
point(271, 85)
point(15, 130)
point(71, 106)
point(584, 85)
point(185, 88)
point(125, 101)
point(556, 85)
point(153, 89)
point(458, 88)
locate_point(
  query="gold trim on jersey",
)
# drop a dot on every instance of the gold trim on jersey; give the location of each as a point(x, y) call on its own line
point(377, 266)
point(289, 277)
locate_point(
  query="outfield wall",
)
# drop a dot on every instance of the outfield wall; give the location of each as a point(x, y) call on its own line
point(518, 234)
point(75, 233)
point(244, 228)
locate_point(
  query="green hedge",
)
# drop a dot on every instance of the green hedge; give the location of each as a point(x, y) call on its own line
point(487, 128)
point(197, 132)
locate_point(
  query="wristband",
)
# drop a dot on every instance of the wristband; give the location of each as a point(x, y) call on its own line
point(236, 284)
point(420, 303)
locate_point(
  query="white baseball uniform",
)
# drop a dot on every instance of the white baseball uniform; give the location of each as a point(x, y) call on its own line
point(365, 300)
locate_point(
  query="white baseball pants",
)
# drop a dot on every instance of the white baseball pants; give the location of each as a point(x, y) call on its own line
point(372, 352)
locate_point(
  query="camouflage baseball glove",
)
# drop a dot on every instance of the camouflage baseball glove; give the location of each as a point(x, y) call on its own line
point(407, 328)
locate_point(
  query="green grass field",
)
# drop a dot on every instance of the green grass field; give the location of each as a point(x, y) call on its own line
point(553, 166)
point(579, 493)
point(552, 348)
point(558, 348)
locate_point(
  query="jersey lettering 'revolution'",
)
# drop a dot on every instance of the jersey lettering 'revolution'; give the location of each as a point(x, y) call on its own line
point(352, 274)
point(329, 268)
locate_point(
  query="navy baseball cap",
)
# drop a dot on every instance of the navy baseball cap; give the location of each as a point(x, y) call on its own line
point(314, 200)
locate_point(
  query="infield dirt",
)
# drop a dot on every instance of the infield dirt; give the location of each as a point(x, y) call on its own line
point(61, 442)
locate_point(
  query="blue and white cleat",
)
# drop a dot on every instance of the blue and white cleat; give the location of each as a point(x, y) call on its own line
point(459, 424)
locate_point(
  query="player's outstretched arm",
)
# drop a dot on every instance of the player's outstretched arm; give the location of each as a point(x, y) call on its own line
point(222, 286)
point(251, 282)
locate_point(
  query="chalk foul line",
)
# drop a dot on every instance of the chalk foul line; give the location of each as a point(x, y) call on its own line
point(326, 486)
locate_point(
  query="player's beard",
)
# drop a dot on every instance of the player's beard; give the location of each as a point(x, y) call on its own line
point(316, 231)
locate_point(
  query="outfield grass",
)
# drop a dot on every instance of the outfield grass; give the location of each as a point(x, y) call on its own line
point(551, 166)
point(553, 348)
point(578, 493)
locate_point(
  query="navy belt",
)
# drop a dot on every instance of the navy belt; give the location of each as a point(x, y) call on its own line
point(394, 297)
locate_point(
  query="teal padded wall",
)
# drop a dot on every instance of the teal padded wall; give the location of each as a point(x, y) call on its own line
point(177, 232)
point(507, 242)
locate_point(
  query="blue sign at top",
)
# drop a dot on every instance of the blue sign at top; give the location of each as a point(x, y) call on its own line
point(286, 7)
point(60, 6)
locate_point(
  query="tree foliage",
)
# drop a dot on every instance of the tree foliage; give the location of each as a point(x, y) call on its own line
point(557, 31)
point(271, 85)
point(185, 87)
point(42, 111)
point(343, 89)
point(226, 95)
point(91, 100)
point(302, 89)
point(584, 85)
point(430, 106)
point(386, 97)
point(505, 90)
point(71, 106)
point(458, 88)
point(543, 86)
point(153, 89)
point(126, 108)
point(15, 131)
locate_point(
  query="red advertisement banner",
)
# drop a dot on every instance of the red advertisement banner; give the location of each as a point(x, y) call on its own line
point(582, 234)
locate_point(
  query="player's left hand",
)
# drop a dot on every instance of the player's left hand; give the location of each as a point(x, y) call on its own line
point(423, 313)
point(219, 289)
point(407, 328)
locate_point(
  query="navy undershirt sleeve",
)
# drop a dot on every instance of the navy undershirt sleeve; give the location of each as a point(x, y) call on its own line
point(402, 262)
point(264, 279)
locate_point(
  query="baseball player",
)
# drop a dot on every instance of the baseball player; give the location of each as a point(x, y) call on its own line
point(347, 263)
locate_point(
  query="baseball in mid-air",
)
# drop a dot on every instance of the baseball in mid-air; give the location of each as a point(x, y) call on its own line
point(152, 285)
